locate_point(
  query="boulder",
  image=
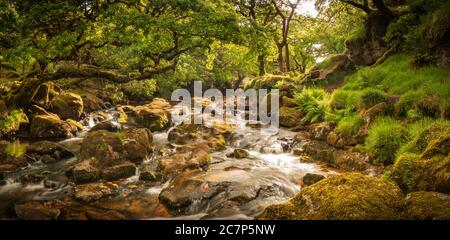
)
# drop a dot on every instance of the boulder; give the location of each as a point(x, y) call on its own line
point(320, 131)
point(92, 103)
point(105, 148)
point(289, 117)
point(50, 127)
point(154, 116)
point(349, 196)
point(105, 125)
point(47, 152)
point(311, 178)
point(94, 191)
point(329, 69)
point(424, 163)
point(118, 172)
point(67, 105)
point(239, 153)
point(428, 206)
point(138, 143)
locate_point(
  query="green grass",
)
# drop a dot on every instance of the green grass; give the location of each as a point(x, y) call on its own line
point(340, 99)
point(385, 138)
point(11, 122)
point(349, 126)
point(397, 76)
point(370, 97)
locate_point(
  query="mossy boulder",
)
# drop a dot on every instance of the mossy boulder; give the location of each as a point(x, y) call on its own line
point(424, 163)
point(268, 82)
point(329, 70)
point(349, 196)
point(154, 115)
point(50, 127)
point(67, 105)
point(138, 143)
point(289, 117)
point(428, 206)
point(104, 147)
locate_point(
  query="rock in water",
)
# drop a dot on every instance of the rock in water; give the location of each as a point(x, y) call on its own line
point(50, 127)
point(311, 178)
point(351, 196)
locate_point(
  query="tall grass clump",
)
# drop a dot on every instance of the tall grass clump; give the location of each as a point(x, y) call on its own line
point(385, 138)
point(349, 126)
point(340, 99)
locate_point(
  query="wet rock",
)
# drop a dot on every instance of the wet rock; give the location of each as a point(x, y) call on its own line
point(320, 131)
point(154, 116)
point(105, 125)
point(84, 172)
point(118, 172)
point(350, 196)
point(342, 159)
point(39, 210)
point(149, 173)
point(289, 117)
point(104, 147)
point(178, 162)
point(311, 178)
point(67, 105)
point(92, 103)
point(94, 191)
point(428, 206)
point(239, 153)
point(138, 143)
point(184, 190)
point(47, 152)
point(50, 127)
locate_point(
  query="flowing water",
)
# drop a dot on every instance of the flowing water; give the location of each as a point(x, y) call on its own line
point(271, 174)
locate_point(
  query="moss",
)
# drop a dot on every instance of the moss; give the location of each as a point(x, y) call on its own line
point(436, 130)
point(348, 196)
point(289, 117)
point(428, 206)
point(267, 82)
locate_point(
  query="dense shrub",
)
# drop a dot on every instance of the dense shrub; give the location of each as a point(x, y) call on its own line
point(385, 137)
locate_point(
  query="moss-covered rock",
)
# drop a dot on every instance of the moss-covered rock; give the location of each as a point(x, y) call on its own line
point(45, 93)
point(424, 164)
point(50, 127)
point(268, 82)
point(67, 105)
point(154, 116)
point(428, 206)
point(329, 70)
point(289, 117)
point(349, 196)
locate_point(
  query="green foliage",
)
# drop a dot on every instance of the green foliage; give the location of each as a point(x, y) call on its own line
point(313, 103)
point(142, 89)
point(370, 97)
point(340, 99)
point(349, 126)
point(115, 93)
point(11, 122)
point(385, 137)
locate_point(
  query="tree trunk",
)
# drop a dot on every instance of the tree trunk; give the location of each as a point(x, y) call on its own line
point(287, 56)
point(280, 58)
point(262, 64)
